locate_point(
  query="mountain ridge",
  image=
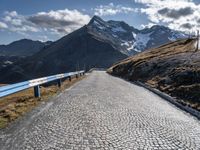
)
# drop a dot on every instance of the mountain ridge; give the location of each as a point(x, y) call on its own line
point(98, 44)
point(130, 40)
point(22, 48)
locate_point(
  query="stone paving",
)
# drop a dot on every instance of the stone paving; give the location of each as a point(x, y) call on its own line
point(103, 112)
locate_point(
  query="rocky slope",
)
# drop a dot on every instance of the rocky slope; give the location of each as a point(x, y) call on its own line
point(173, 68)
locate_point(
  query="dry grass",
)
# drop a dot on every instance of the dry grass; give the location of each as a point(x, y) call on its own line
point(16, 105)
point(167, 50)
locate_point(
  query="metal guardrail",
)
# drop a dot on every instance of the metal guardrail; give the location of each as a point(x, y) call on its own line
point(14, 88)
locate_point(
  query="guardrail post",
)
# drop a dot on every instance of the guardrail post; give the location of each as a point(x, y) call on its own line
point(59, 82)
point(37, 91)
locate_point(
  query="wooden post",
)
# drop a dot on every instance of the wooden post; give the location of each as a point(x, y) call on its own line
point(70, 79)
point(84, 67)
point(59, 82)
point(37, 91)
point(197, 40)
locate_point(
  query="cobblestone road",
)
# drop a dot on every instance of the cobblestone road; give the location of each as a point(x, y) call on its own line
point(103, 112)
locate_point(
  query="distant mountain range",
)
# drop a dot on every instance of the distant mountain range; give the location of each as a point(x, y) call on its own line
point(18, 50)
point(22, 48)
point(98, 44)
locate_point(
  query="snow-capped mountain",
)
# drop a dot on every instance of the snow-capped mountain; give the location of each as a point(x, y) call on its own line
point(130, 40)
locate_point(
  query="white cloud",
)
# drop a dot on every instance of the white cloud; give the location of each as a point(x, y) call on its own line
point(18, 23)
point(177, 14)
point(12, 13)
point(3, 25)
point(111, 9)
point(61, 21)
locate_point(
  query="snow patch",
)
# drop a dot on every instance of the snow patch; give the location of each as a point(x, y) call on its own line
point(114, 35)
point(98, 25)
point(175, 35)
point(142, 39)
point(130, 48)
point(137, 50)
point(134, 35)
point(118, 29)
point(172, 38)
point(139, 42)
point(125, 44)
point(8, 62)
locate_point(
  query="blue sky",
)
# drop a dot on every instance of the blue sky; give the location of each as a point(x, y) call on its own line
point(51, 19)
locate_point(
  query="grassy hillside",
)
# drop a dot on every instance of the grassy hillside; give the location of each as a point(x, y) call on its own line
point(173, 68)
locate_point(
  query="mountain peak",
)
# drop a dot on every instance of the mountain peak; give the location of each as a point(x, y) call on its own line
point(156, 27)
point(95, 18)
point(22, 40)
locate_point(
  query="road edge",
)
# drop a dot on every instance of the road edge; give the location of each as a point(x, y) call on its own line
point(170, 99)
point(165, 96)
